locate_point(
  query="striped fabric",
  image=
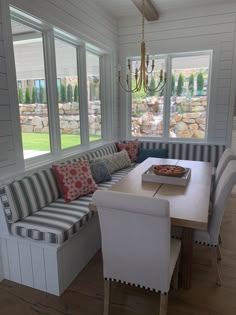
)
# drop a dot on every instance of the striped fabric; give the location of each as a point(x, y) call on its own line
point(188, 151)
point(58, 221)
point(25, 196)
point(98, 153)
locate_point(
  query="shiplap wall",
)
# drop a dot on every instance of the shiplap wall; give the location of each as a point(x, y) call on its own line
point(208, 28)
point(8, 161)
point(82, 19)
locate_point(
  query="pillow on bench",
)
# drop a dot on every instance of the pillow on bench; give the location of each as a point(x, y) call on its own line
point(100, 171)
point(75, 178)
point(131, 147)
point(146, 153)
point(117, 161)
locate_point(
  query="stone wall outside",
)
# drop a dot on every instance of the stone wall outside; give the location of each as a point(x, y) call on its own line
point(187, 118)
point(34, 118)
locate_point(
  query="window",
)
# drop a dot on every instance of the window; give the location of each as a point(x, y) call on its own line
point(56, 93)
point(185, 103)
point(68, 93)
point(148, 107)
point(189, 96)
point(32, 94)
point(94, 97)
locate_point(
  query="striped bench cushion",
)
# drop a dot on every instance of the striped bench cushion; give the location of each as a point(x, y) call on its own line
point(98, 153)
point(58, 221)
point(23, 197)
point(188, 151)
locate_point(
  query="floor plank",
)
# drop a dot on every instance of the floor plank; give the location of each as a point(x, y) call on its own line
point(85, 295)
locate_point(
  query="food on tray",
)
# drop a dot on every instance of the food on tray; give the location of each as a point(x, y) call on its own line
point(169, 170)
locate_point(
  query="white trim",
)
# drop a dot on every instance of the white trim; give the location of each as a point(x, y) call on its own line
point(51, 86)
point(232, 95)
point(83, 103)
point(12, 87)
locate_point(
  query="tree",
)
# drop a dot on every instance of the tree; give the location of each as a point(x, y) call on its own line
point(34, 95)
point(76, 93)
point(191, 84)
point(20, 96)
point(63, 93)
point(27, 96)
point(41, 95)
point(200, 82)
point(172, 84)
point(69, 93)
point(152, 86)
point(180, 86)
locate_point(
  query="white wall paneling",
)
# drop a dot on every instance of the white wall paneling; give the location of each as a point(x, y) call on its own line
point(9, 113)
point(186, 31)
point(49, 267)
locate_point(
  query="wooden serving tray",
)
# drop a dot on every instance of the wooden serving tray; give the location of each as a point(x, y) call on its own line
point(150, 176)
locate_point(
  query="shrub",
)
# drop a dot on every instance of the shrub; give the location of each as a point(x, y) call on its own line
point(180, 86)
point(191, 84)
point(20, 96)
point(200, 82)
point(27, 96)
point(34, 95)
point(41, 95)
point(63, 93)
point(76, 93)
point(172, 84)
point(152, 86)
point(69, 93)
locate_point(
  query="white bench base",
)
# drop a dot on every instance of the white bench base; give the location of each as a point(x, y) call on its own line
point(46, 267)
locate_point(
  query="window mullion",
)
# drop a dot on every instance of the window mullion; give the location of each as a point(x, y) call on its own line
point(106, 89)
point(51, 81)
point(167, 99)
point(84, 124)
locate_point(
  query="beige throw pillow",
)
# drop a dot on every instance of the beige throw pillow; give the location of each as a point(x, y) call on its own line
point(117, 161)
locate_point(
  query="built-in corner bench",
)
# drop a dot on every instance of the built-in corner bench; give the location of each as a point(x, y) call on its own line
point(49, 254)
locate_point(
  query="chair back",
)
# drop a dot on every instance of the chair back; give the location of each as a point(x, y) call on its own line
point(227, 156)
point(135, 238)
point(223, 190)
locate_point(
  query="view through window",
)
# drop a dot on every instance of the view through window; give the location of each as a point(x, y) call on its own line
point(94, 96)
point(32, 96)
point(148, 107)
point(68, 93)
point(187, 107)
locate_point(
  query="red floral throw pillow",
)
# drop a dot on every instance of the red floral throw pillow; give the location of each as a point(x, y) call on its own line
point(131, 147)
point(75, 178)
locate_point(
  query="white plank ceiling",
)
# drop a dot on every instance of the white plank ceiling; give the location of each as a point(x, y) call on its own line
point(120, 8)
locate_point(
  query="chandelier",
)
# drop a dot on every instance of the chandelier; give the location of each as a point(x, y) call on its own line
point(139, 78)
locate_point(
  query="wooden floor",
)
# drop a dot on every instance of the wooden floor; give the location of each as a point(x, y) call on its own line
point(85, 295)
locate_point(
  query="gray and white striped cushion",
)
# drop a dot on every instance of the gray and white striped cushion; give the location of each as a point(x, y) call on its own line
point(188, 151)
point(25, 196)
point(98, 153)
point(58, 221)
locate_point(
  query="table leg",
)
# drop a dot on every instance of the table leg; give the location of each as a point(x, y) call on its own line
point(187, 255)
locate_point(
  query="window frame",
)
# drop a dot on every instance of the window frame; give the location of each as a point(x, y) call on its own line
point(49, 34)
point(167, 99)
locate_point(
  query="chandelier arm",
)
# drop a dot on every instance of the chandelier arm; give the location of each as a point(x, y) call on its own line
point(158, 88)
point(127, 90)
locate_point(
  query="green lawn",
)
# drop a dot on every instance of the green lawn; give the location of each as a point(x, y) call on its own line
point(40, 141)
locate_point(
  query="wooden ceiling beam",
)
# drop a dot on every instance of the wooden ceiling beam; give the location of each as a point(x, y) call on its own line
point(148, 10)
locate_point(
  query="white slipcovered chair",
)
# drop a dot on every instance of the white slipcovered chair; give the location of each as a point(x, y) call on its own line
point(226, 157)
point(136, 245)
point(211, 236)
